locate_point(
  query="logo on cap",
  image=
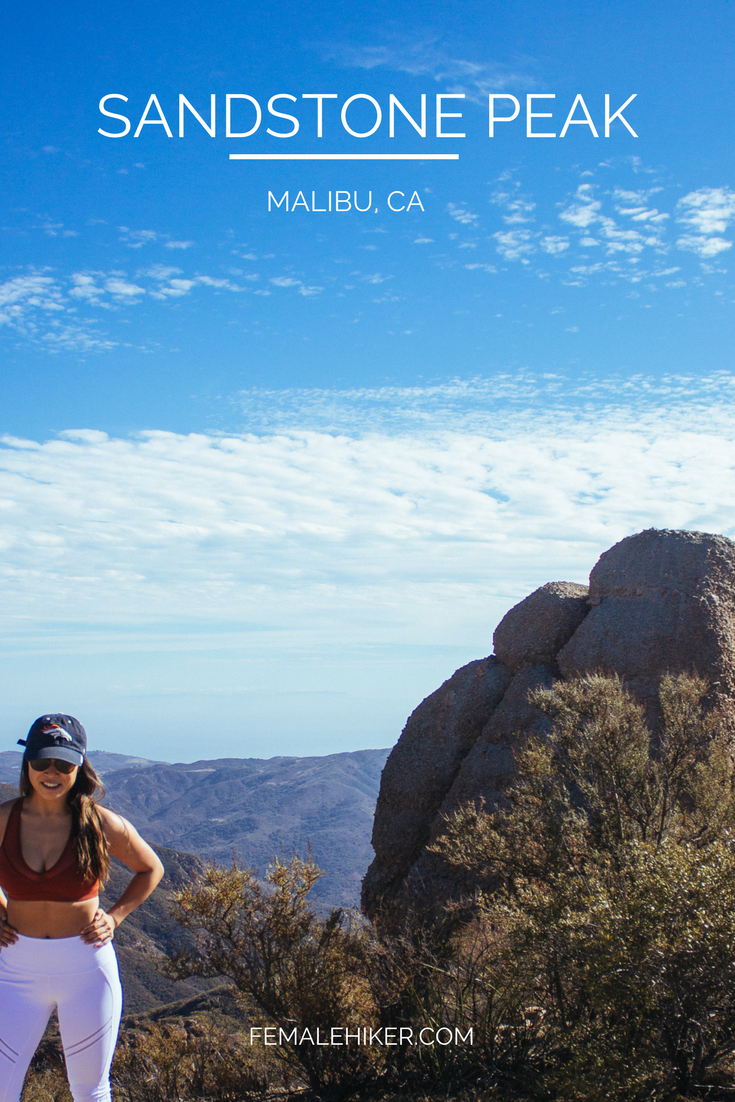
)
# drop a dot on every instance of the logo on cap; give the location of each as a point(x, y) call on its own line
point(57, 732)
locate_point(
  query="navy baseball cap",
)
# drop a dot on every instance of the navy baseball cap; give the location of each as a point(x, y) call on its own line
point(56, 736)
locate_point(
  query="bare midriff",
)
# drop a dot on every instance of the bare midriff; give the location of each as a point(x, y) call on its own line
point(51, 918)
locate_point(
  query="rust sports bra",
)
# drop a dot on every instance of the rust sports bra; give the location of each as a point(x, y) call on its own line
point(63, 883)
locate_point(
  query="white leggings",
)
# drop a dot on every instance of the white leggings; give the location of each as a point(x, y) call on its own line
point(83, 984)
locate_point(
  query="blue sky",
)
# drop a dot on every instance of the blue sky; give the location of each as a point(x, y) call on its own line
point(268, 477)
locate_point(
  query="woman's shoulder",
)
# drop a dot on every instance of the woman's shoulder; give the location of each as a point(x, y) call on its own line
point(114, 825)
point(126, 844)
point(5, 809)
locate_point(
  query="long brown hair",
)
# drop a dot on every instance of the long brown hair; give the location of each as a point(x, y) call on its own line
point(87, 831)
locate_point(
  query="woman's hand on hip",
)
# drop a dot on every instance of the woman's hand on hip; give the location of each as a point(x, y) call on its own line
point(100, 930)
point(8, 933)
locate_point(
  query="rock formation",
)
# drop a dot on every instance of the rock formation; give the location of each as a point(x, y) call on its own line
point(659, 601)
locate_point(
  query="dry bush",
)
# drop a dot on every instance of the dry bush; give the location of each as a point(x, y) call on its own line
point(47, 1084)
point(615, 871)
point(294, 969)
point(172, 1061)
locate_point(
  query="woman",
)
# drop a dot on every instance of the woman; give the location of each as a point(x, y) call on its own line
point(55, 940)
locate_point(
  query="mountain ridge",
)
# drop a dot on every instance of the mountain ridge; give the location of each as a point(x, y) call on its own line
point(250, 809)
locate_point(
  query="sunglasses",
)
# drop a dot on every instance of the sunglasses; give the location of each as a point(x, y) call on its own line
point(40, 765)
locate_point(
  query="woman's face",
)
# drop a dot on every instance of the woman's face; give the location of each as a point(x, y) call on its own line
point(51, 785)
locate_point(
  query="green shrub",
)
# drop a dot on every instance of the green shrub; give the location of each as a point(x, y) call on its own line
point(171, 1061)
point(614, 894)
point(296, 971)
point(176, 1061)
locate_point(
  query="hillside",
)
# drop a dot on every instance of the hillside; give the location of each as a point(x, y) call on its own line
point(256, 809)
point(251, 807)
point(149, 934)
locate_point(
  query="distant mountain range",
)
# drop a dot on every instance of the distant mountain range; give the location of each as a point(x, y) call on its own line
point(250, 808)
point(103, 761)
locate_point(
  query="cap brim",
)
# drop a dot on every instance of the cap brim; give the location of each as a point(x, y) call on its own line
point(60, 753)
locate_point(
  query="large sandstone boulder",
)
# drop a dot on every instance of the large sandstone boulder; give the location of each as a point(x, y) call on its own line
point(662, 601)
point(422, 769)
point(488, 768)
point(458, 745)
point(659, 601)
point(535, 630)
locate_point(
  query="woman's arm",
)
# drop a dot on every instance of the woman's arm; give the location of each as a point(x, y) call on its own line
point(8, 933)
point(127, 845)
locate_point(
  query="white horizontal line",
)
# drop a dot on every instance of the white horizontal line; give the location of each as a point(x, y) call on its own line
point(344, 156)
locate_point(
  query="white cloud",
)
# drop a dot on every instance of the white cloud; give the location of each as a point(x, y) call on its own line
point(634, 205)
point(84, 287)
point(708, 210)
point(369, 558)
point(136, 239)
point(23, 294)
point(703, 247)
point(335, 532)
point(623, 241)
point(71, 337)
point(585, 210)
point(52, 229)
point(289, 281)
point(554, 245)
point(159, 272)
point(31, 304)
point(122, 288)
point(462, 215)
point(629, 229)
point(285, 281)
point(427, 56)
point(175, 288)
point(515, 244)
point(518, 207)
point(707, 213)
point(585, 213)
point(222, 284)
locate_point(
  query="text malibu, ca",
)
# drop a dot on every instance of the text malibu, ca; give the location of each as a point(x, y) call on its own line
point(244, 115)
point(339, 202)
